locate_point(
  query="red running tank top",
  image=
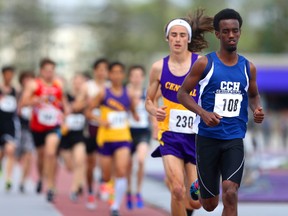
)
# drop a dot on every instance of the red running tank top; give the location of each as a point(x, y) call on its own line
point(48, 114)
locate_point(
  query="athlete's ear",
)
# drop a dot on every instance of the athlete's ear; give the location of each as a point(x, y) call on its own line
point(166, 38)
point(217, 34)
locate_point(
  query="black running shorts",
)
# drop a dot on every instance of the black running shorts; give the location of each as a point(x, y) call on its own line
point(218, 158)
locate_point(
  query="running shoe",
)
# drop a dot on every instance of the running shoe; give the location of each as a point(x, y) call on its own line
point(115, 213)
point(129, 202)
point(91, 203)
point(104, 191)
point(39, 186)
point(195, 190)
point(50, 196)
point(139, 201)
point(8, 185)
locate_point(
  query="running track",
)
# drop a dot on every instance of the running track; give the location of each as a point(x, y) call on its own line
point(14, 204)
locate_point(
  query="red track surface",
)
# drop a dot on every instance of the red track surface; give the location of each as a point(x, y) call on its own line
point(67, 208)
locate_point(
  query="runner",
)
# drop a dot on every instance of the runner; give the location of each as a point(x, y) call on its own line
point(9, 123)
point(114, 138)
point(90, 90)
point(177, 139)
point(140, 132)
point(72, 145)
point(25, 148)
point(45, 95)
point(227, 86)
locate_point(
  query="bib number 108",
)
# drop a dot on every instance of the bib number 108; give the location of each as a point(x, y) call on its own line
point(230, 105)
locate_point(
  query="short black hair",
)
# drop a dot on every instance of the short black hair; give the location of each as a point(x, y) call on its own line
point(46, 61)
point(100, 61)
point(25, 74)
point(8, 68)
point(116, 63)
point(133, 67)
point(224, 15)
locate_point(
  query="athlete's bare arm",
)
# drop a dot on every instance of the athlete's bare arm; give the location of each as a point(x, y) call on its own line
point(93, 104)
point(190, 82)
point(66, 106)
point(81, 99)
point(154, 83)
point(64, 99)
point(153, 120)
point(254, 97)
point(133, 99)
point(27, 98)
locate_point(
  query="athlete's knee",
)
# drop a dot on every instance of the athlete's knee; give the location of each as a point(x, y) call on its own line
point(210, 204)
point(50, 154)
point(178, 191)
point(80, 160)
point(229, 193)
point(141, 163)
point(229, 197)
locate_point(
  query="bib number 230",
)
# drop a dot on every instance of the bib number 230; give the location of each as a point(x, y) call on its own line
point(181, 121)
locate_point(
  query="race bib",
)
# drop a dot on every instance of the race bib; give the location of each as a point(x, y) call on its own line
point(26, 113)
point(143, 117)
point(8, 103)
point(181, 121)
point(117, 120)
point(49, 116)
point(228, 105)
point(75, 122)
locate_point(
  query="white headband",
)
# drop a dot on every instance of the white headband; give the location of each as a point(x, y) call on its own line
point(180, 22)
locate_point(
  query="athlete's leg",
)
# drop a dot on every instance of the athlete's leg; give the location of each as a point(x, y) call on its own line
point(129, 201)
point(79, 158)
point(25, 149)
point(129, 175)
point(9, 149)
point(208, 170)
point(141, 153)
point(50, 165)
point(91, 163)
point(174, 169)
point(191, 176)
point(229, 198)
point(232, 163)
point(106, 162)
point(121, 160)
point(26, 166)
point(67, 156)
point(40, 162)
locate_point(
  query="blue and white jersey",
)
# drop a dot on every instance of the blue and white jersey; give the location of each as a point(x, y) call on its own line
point(223, 90)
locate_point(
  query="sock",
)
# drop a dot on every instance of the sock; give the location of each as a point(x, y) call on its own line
point(120, 190)
point(189, 212)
